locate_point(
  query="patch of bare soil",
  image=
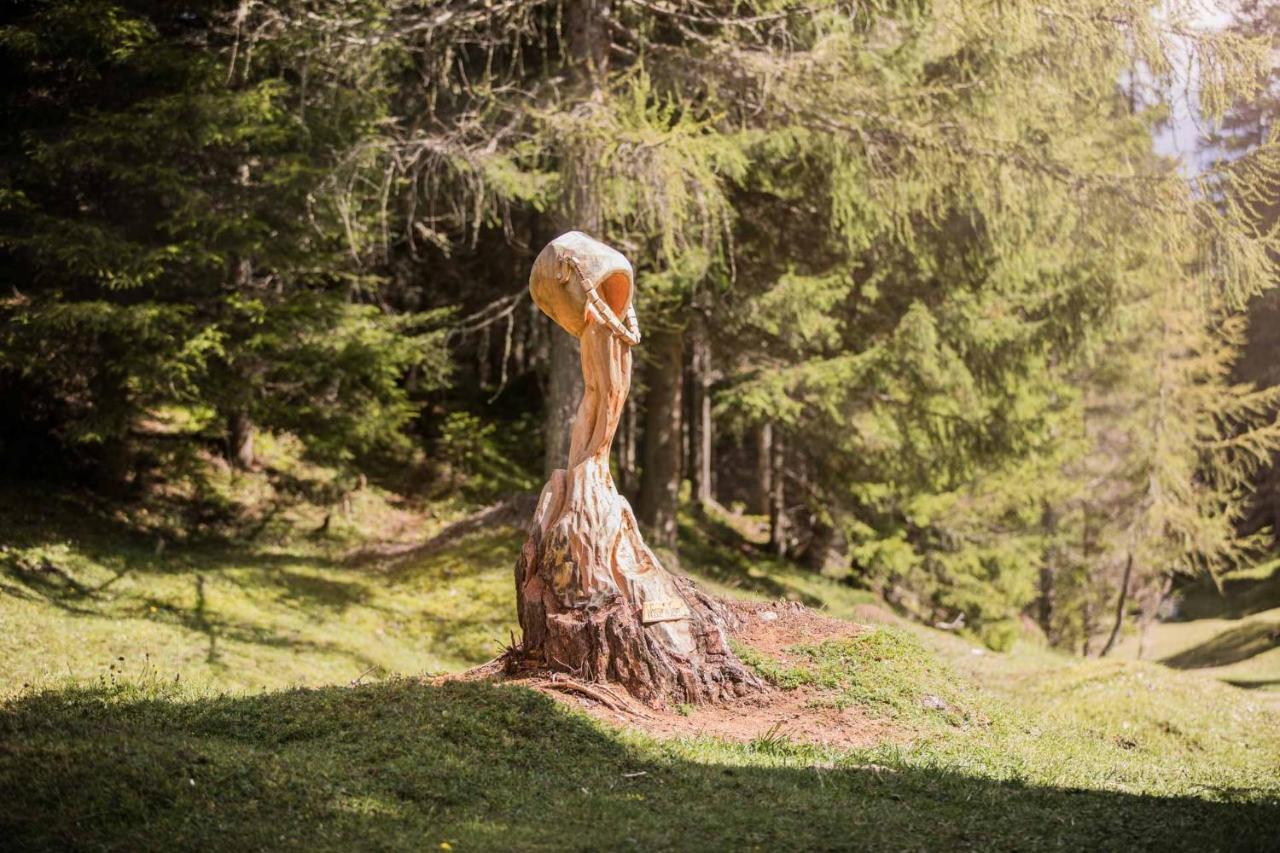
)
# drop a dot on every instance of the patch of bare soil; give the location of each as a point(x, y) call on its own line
point(787, 714)
point(771, 628)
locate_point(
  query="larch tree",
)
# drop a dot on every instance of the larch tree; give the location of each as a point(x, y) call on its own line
point(975, 205)
point(1248, 124)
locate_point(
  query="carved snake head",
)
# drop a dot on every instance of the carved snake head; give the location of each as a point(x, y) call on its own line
point(577, 278)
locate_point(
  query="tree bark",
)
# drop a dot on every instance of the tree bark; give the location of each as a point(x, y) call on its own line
point(587, 37)
point(1086, 611)
point(587, 46)
point(764, 468)
point(1151, 609)
point(826, 550)
point(239, 424)
point(240, 440)
point(564, 391)
point(1272, 494)
point(701, 436)
point(593, 600)
point(116, 465)
point(777, 499)
point(1044, 603)
point(660, 479)
point(117, 458)
point(1120, 605)
point(484, 357)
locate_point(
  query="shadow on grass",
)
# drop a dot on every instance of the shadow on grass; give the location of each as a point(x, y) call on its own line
point(1230, 646)
point(510, 514)
point(226, 595)
point(401, 765)
point(1253, 683)
point(1238, 598)
point(410, 600)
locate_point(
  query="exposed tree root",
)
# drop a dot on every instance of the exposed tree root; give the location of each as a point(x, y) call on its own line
point(601, 693)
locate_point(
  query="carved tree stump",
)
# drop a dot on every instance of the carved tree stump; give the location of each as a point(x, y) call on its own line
point(593, 600)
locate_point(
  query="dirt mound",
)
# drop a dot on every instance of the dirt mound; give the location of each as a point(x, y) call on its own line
point(772, 629)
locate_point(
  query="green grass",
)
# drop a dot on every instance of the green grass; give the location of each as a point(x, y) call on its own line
point(82, 598)
point(1137, 727)
point(403, 766)
point(161, 711)
point(884, 671)
point(1242, 651)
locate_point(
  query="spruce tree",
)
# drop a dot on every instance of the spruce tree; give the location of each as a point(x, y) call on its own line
point(169, 236)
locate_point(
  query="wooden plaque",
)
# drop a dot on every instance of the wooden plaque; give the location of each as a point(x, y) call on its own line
point(664, 610)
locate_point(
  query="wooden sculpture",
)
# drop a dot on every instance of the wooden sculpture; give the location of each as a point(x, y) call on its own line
point(594, 601)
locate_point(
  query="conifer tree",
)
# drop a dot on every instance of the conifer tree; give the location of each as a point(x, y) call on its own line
point(966, 246)
point(932, 212)
point(167, 234)
point(1248, 124)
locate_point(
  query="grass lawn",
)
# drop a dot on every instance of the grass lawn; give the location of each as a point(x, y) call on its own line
point(1232, 634)
point(241, 694)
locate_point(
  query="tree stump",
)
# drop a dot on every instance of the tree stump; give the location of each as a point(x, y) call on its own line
point(594, 601)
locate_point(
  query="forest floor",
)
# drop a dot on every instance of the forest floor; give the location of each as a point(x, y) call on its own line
point(254, 681)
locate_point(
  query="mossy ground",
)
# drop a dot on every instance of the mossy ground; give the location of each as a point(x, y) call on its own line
point(203, 698)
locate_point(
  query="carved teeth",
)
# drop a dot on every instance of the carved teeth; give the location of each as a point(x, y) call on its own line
point(629, 333)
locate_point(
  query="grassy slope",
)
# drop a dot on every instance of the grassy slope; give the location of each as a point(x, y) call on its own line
point(1021, 751)
point(402, 766)
point(1231, 633)
point(81, 598)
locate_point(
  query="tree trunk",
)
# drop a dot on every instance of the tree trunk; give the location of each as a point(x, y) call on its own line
point(826, 550)
point(1272, 494)
point(564, 391)
point(115, 466)
point(1151, 609)
point(701, 437)
point(239, 425)
point(764, 468)
point(777, 500)
point(240, 440)
point(1120, 605)
point(660, 480)
point(587, 44)
point(593, 600)
point(109, 390)
point(1086, 611)
point(1044, 604)
point(484, 357)
point(627, 475)
point(1089, 626)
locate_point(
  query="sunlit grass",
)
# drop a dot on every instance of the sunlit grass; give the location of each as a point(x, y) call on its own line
point(84, 601)
point(148, 709)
